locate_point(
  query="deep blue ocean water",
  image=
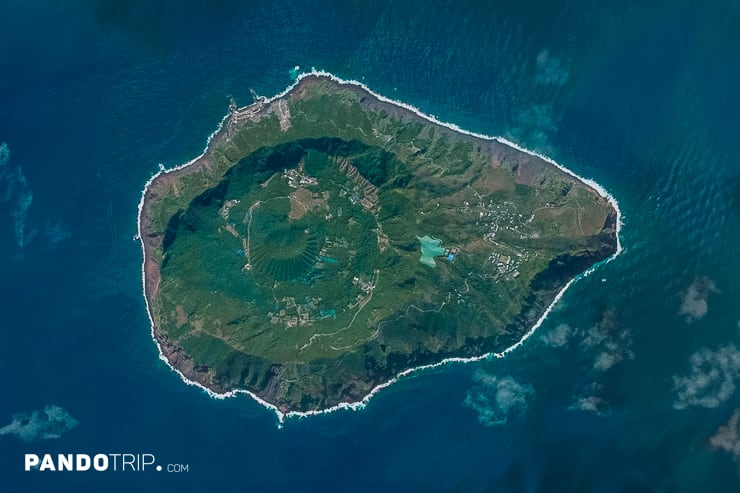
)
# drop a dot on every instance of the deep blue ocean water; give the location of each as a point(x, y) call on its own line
point(623, 387)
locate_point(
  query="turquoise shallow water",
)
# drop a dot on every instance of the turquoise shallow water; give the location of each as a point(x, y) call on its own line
point(620, 390)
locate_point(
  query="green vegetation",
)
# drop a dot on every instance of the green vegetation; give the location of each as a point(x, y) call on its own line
point(288, 260)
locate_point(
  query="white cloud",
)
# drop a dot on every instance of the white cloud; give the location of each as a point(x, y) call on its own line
point(694, 302)
point(559, 336)
point(711, 380)
point(551, 70)
point(15, 190)
point(612, 342)
point(55, 233)
point(607, 344)
point(497, 399)
point(536, 122)
point(604, 361)
point(592, 404)
point(591, 400)
point(51, 422)
point(534, 125)
point(727, 437)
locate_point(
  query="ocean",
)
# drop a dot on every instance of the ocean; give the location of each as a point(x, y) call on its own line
point(629, 384)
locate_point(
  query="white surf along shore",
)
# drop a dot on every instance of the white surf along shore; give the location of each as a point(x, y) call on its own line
point(282, 416)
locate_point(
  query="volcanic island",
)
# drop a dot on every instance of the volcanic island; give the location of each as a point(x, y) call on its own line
point(329, 240)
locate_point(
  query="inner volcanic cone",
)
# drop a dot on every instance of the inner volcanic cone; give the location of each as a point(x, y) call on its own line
point(283, 251)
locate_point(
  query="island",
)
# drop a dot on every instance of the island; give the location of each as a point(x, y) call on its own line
point(329, 240)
